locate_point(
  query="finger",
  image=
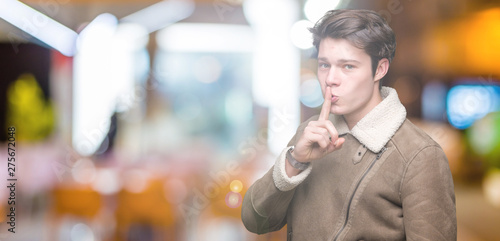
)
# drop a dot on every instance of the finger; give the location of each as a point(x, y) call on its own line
point(326, 126)
point(320, 140)
point(321, 130)
point(318, 136)
point(332, 131)
point(327, 104)
point(337, 145)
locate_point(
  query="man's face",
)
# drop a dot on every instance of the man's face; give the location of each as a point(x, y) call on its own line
point(347, 70)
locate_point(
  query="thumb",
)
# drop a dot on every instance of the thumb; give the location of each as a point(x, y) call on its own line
point(338, 143)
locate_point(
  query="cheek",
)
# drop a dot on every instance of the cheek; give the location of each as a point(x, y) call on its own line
point(361, 81)
point(357, 87)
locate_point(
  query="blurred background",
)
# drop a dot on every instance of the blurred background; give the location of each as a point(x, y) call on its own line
point(148, 120)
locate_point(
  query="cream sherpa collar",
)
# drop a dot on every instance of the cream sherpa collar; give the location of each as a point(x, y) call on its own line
point(379, 125)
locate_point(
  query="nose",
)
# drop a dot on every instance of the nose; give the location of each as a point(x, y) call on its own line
point(333, 78)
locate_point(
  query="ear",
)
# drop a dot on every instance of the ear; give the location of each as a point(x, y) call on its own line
point(382, 68)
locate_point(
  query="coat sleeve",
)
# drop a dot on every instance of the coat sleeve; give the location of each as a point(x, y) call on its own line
point(264, 206)
point(266, 202)
point(428, 197)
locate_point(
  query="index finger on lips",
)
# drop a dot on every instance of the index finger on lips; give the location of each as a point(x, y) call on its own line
point(327, 104)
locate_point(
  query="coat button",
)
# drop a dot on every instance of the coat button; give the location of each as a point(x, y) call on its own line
point(359, 153)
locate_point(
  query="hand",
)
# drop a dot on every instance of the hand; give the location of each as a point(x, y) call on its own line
point(319, 137)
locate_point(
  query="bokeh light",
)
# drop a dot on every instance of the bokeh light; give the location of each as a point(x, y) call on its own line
point(233, 200)
point(207, 69)
point(106, 181)
point(83, 171)
point(484, 138)
point(491, 187)
point(236, 186)
point(468, 103)
point(300, 35)
point(315, 9)
point(40, 26)
point(82, 232)
point(310, 93)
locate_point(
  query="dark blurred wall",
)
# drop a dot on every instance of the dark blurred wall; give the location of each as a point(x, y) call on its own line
point(16, 59)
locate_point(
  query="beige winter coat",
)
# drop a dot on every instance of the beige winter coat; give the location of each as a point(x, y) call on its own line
point(390, 181)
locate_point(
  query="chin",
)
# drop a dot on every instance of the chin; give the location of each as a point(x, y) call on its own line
point(337, 111)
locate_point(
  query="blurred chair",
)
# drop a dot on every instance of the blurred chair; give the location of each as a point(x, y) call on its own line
point(145, 215)
point(82, 202)
point(79, 202)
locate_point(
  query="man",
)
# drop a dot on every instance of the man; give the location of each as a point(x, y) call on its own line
point(360, 170)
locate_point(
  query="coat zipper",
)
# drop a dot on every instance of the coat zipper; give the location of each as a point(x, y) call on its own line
point(355, 189)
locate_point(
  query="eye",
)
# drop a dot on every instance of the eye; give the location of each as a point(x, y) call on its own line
point(348, 66)
point(323, 66)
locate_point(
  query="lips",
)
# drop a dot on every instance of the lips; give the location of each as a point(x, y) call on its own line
point(334, 98)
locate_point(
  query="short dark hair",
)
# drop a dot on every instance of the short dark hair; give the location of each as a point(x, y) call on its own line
point(364, 29)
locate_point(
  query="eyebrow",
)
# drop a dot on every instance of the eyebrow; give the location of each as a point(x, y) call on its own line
point(340, 61)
